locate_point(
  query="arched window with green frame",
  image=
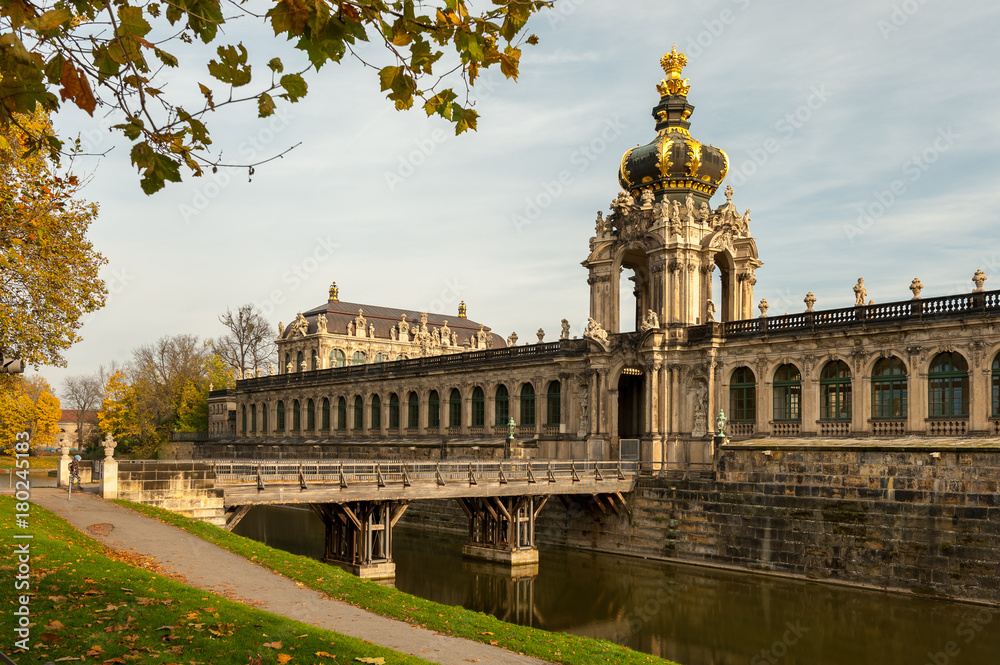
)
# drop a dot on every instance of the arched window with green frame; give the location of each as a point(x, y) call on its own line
point(948, 386)
point(743, 396)
point(378, 358)
point(527, 405)
point(835, 391)
point(478, 407)
point(787, 389)
point(337, 358)
point(310, 416)
point(359, 413)
point(889, 389)
point(455, 408)
point(552, 404)
point(253, 418)
point(375, 416)
point(284, 368)
point(394, 411)
point(243, 419)
point(433, 410)
point(413, 411)
point(358, 358)
point(501, 406)
point(995, 387)
point(325, 418)
point(263, 419)
point(342, 414)
point(299, 359)
point(279, 417)
point(315, 361)
point(296, 416)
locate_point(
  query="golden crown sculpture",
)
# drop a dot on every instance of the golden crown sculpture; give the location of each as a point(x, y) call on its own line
point(673, 64)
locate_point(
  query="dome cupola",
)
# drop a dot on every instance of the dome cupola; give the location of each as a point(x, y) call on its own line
point(674, 163)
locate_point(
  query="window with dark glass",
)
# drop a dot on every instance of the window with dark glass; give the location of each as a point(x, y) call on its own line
point(337, 358)
point(433, 410)
point(948, 386)
point(315, 361)
point(787, 393)
point(358, 359)
point(478, 407)
point(527, 405)
point(378, 358)
point(310, 416)
point(263, 419)
point(253, 418)
point(243, 412)
point(298, 362)
point(359, 413)
point(288, 361)
point(455, 408)
point(376, 412)
point(743, 396)
point(296, 416)
point(325, 418)
point(889, 389)
point(280, 417)
point(835, 391)
point(502, 406)
point(552, 402)
point(413, 411)
point(394, 411)
point(342, 414)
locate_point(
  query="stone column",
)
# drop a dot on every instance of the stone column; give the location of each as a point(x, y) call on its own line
point(981, 397)
point(810, 400)
point(916, 395)
point(466, 409)
point(655, 403)
point(765, 406)
point(675, 424)
point(62, 474)
point(109, 478)
point(861, 402)
point(422, 412)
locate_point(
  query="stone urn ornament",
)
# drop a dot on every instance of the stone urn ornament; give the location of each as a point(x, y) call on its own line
point(810, 300)
point(916, 287)
point(763, 306)
point(979, 279)
point(720, 424)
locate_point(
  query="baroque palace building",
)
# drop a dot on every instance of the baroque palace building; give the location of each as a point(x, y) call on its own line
point(402, 383)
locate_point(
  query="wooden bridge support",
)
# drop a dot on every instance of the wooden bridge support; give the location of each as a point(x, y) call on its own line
point(502, 528)
point(359, 535)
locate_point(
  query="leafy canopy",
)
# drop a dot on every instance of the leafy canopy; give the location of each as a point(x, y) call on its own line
point(120, 54)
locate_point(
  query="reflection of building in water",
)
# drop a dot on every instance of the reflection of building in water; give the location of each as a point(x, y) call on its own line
point(508, 593)
point(655, 376)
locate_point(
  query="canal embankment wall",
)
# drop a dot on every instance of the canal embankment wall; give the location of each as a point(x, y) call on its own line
point(921, 521)
point(183, 487)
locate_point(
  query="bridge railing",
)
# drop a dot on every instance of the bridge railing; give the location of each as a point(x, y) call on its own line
point(403, 472)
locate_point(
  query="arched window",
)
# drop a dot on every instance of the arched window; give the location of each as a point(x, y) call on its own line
point(378, 358)
point(996, 387)
point(889, 389)
point(298, 362)
point(433, 410)
point(502, 406)
point(243, 411)
point(376, 412)
point(280, 417)
point(400, 357)
point(296, 416)
point(288, 361)
point(527, 405)
point(787, 393)
point(253, 418)
point(455, 408)
point(337, 358)
point(478, 407)
point(342, 414)
point(263, 419)
point(358, 359)
point(552, 400)
point(325, 422)
point(413, 411)
point(359, 413)
point(835, 391)
point(743, 396)
point(310, 416)
point(394, 411)
point(948, 386)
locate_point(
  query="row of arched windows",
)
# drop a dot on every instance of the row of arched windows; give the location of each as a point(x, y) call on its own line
point(408, 412)
point(337, 358)
point(947, 384)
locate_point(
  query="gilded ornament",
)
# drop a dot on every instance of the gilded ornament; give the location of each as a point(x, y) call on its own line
point(673, 64)
point(694, 160)
point(664, 163)
point(725, 166)
point(626, 177)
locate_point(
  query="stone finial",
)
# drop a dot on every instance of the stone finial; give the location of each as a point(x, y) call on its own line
point(860, 292)
point(916, 287)
point(763, 306)
point(334, 293)
point(541, 335)
point(720, 424)
point(810, 300)
point(729, 195)
point(109, 444)
point(512, 339)
point(979, 279)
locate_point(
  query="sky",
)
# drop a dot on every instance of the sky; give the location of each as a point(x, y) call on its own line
point(863, 135)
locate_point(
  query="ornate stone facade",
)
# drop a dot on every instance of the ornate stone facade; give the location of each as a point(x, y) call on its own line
point(926, 366)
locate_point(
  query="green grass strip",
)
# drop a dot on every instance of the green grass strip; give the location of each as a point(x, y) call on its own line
point(91, 604)
point(457, 621)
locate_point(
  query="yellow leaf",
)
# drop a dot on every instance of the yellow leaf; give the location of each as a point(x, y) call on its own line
point(283, 658)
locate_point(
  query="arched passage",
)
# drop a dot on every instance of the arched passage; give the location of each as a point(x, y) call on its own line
point(631, 387)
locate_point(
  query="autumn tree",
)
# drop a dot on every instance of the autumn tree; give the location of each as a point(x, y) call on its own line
point(28, 405)
point(48, 268)
point(83, 395)
point(127, 56)
point(249, 342)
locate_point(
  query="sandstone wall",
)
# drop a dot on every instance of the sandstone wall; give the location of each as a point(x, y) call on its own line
point(183, 487)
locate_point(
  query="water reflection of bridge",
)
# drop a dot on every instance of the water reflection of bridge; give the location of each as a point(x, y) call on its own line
point(360, 501)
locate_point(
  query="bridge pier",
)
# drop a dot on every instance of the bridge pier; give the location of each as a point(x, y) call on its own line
point(359, 535)
point(502, 529)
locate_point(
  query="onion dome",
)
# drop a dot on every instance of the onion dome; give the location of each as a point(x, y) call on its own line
point(674, 163)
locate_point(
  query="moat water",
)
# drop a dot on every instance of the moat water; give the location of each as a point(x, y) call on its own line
point(688, 614)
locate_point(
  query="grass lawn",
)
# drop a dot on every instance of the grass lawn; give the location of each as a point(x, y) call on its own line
point(38, 463)
point(554, 647)
point(91, 604)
